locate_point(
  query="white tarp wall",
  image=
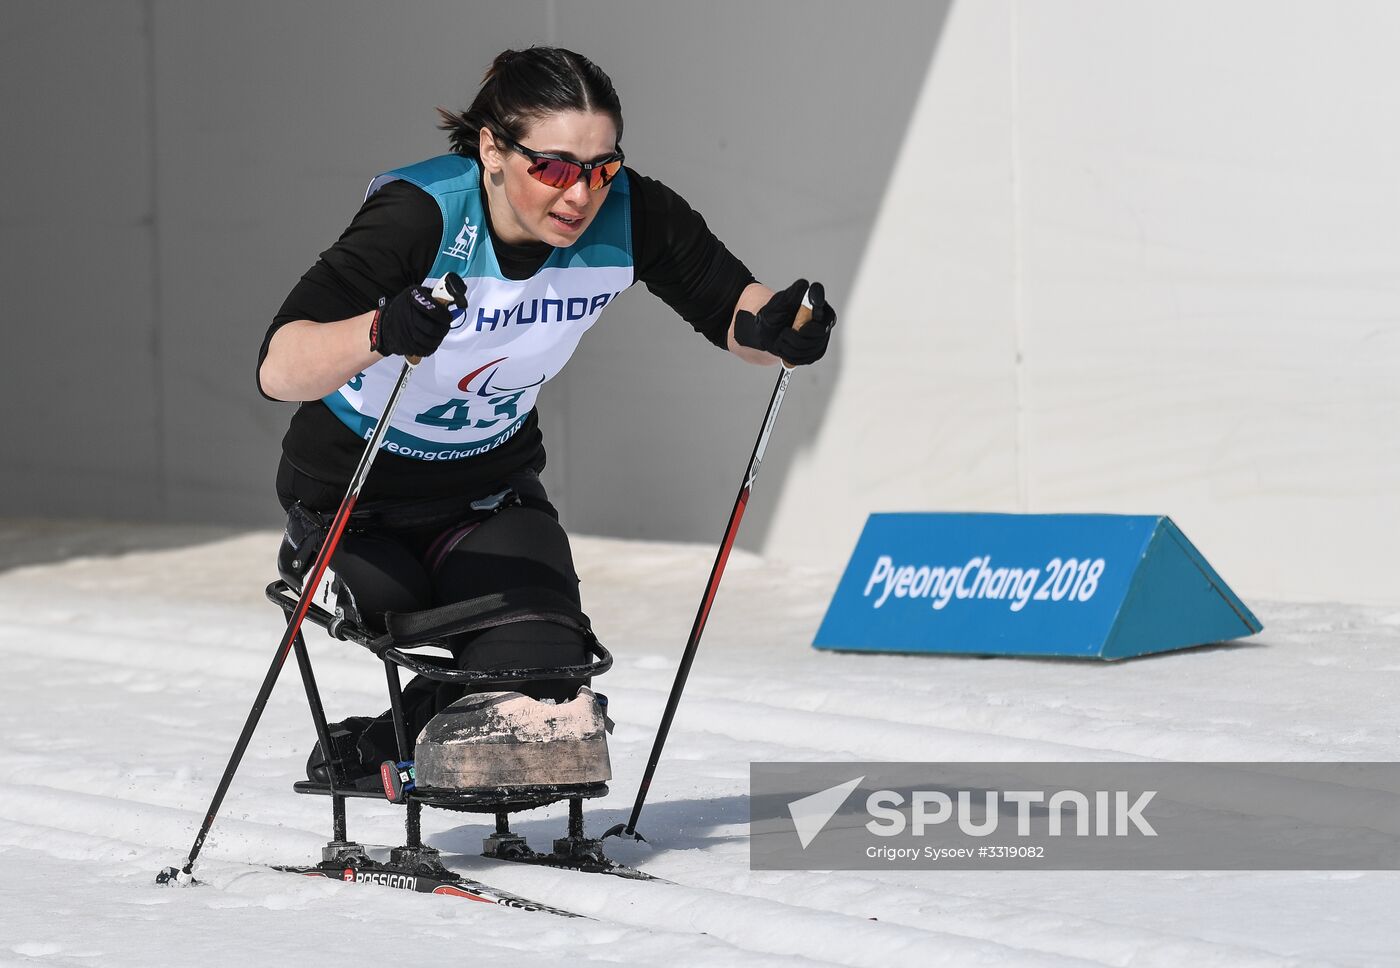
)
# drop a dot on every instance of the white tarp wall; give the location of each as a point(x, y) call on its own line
point(1141, 258)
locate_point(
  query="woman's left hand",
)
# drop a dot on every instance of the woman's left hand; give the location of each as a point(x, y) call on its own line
point(771, 329)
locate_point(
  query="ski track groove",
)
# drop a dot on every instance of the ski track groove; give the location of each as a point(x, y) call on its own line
point(742, 919)
point(735, 919)
point(136, 820)
point(225, 873)
point(868, 737)
point(1037, 928)
point(214, 662)
point(150, 825)
point(1154, 736)
point(232, 885)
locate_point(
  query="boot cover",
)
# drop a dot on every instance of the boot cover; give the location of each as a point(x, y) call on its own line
point(489, 740)
point(361, 743)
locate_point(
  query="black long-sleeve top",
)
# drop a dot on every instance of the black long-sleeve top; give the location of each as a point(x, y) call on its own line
point(392, 243)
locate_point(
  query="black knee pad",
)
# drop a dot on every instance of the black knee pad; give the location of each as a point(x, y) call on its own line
point(301, 541)
point(518, 547)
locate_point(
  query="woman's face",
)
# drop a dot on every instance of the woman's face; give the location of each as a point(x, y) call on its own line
point(524, 209)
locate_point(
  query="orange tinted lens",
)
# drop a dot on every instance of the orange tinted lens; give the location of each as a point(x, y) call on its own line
point(556, 173)
point(599, 177)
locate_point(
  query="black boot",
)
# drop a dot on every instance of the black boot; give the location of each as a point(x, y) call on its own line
point(377, 742)
point(361, 743)
point(345, 738)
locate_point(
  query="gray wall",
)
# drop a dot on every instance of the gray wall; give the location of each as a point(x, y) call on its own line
point(83, 399)
point(173, 167)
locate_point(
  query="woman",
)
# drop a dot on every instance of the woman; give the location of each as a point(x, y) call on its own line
point(536, 211)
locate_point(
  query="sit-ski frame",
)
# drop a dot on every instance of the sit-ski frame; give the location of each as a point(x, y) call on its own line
point(425, 629)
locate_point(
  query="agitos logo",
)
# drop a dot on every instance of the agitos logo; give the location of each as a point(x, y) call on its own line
point(486, 389)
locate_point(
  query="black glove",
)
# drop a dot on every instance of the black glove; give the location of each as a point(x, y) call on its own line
point(771, 330)
point(412, 323)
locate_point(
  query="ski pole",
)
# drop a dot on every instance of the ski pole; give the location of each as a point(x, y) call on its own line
point(731, 531)
point(451, 289)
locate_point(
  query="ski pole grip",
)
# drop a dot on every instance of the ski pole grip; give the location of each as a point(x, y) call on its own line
point(443, 297)
point(803, 317)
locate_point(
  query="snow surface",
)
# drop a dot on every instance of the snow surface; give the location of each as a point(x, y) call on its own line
point(129, 674)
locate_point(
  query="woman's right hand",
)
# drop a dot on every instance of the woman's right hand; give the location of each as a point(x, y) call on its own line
point(410, 324)
point(306, 360)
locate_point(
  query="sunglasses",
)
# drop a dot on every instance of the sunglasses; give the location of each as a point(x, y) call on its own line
point(559, 172)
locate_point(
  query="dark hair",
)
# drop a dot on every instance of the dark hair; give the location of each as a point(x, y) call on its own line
point(523, 86)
